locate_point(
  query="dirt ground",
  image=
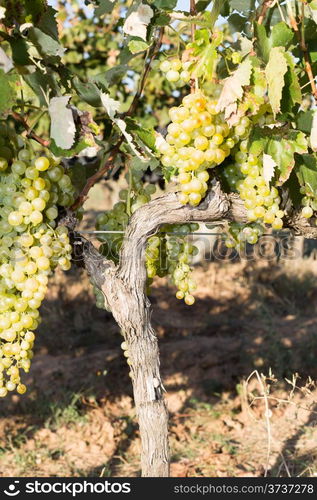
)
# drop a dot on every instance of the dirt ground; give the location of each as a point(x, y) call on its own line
point(250, 318)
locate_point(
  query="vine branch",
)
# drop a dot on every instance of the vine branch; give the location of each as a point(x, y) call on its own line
point(267, 4)
point(193, 12)
point(29, 132)
point(300, 34)
point(91, 181)
point(147, 68)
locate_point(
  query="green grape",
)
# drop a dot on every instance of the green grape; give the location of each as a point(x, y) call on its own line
point(30, 251)
point(195, 143)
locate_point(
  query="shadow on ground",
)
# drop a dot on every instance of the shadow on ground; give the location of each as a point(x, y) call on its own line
point(78, 416)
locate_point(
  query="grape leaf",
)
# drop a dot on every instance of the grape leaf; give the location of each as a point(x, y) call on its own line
point(282, 149)
point(281, 35)
point(20, 53)
point(136, 46)
point(146, 135)
point(48, 24)
point(241, 5)
point(105, 6)
point(63, 127)
point(137, 22)
point(262, 41)
point(110, 77)
point(79, 146)
point(45, 44)
point(9, 84)
point(313, 133)
point(306, 172)
point(274, 72)
point(292, 92)
point(233, 85)
point(165, 4)
point(268, 168)
point(88, 91)
point(304, 121)
point(42, 85)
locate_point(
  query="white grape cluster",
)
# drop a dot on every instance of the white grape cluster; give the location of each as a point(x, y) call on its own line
point(179, 252)
point(261, 201)
point(176, 71)
point(31, 246)
point(198, 139)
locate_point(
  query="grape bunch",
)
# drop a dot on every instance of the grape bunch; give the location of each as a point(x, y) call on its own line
point(31, 246)
point(198, 139)
point(260, 200)
point(176, 71)
point(179, 252)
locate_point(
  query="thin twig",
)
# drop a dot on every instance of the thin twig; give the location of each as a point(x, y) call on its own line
point(29, 132)
point(303, 47)
point(193, 12)
point(91, 181)
point(267, 4)
point(266, 416)
point(153, 54)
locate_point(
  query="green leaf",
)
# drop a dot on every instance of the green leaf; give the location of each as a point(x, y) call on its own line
point(9, 84)
point(48, 24)
point(140, 166)
point(304, 121)
point(281, 35)
point(237, 23)
point(262, 41)
point(20, 53)
point(244, 6)
point(201, 5)
point(89, 92)
point(105, 6)
point(274, 72)
point(136, 46)
point(45, 44)
point(110, 77)
point(147, 136)
point(257, 142)
point(42, 85)
point(82, 144)
point(165, 4)
point(282, 150)
point(306, 171)
point(161, 19)
point(292, 93)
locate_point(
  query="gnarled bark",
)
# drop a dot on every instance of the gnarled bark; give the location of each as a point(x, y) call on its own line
point(124, 290)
